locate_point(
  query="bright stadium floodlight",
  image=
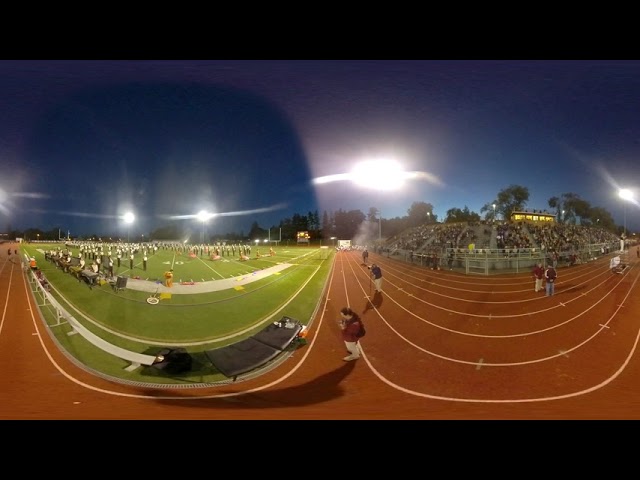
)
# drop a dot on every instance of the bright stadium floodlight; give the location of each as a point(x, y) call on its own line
point(381, 175)
point(378, 174)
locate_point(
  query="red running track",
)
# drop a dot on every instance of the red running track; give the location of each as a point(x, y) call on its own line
point(439, 345)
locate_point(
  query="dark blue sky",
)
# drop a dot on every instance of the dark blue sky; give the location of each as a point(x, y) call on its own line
point(83, 141)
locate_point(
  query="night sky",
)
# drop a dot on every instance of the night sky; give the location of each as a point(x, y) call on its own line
point(82, 142)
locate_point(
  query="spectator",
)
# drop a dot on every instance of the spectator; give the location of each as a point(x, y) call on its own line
point(550, 275)
point(538, 275)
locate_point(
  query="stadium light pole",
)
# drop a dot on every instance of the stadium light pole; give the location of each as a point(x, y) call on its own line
point(203, 216)
point(626, 195)
point(494, 212)
point(128, 218)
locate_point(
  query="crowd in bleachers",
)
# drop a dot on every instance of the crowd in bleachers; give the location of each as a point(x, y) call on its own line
point(426, 238)
point(564, 238)
point(507, 236)
point(513, 235)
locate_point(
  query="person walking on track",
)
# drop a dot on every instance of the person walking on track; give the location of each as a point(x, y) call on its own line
point(376, 272)
point(350, 324)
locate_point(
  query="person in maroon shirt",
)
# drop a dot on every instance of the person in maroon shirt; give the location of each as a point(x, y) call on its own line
point(550, 275)
point(538, 275)
point(350, 325)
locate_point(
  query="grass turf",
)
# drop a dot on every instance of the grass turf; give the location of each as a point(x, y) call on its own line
point(197, 322)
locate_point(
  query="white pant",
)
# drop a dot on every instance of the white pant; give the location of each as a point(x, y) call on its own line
point(538, 286)
point(352, 348)
point(378, 283)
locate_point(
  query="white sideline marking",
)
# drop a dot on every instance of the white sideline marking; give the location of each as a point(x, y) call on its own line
point(479, 366)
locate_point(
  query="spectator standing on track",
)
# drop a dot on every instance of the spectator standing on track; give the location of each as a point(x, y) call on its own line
point(538, 275)
point(376, 272)
point(350, 324)
point(550, 275)
point(365, 256)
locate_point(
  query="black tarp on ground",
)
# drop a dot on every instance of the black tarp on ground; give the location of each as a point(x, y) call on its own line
point(255, 351)
point(174, 360)
point(279, 337)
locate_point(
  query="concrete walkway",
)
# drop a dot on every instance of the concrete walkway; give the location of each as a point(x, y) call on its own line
point(204, 287)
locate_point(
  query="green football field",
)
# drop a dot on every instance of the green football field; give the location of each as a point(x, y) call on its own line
point(196, 322)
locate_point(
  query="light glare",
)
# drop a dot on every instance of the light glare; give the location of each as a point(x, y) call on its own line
point(626, 194)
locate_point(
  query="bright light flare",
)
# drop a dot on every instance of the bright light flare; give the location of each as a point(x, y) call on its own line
point(378, 175)
point(128, 217)
point(203, 215)
point(271, 208)
point(626, 194)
